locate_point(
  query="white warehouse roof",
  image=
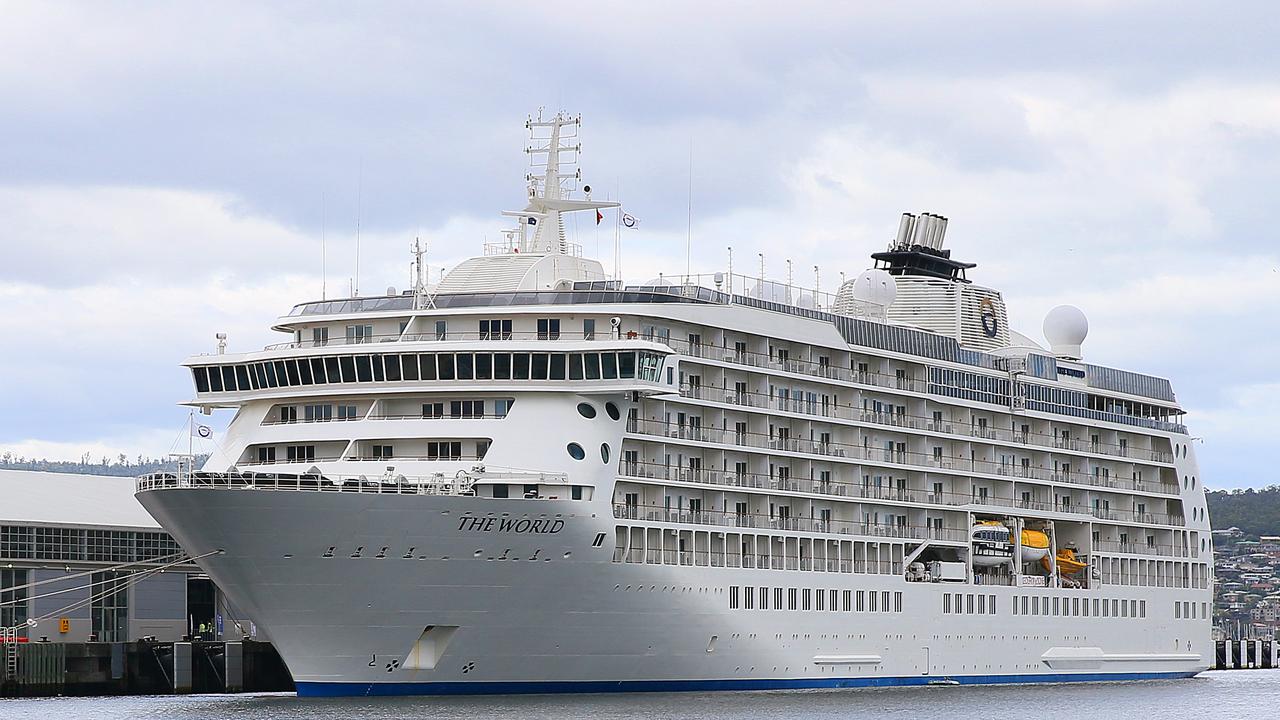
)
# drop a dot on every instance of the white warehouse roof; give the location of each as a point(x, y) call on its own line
point(28, 496)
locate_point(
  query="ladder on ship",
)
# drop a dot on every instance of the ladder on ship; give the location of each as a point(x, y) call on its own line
point(11, 653)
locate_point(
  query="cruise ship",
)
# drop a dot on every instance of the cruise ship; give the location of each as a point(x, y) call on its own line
point(531, 476)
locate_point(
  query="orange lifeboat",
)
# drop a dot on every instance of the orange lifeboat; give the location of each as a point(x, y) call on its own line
point(1067, 562)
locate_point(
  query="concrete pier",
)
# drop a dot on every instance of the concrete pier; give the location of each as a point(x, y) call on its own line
point(140, 668)
point(1246, 655)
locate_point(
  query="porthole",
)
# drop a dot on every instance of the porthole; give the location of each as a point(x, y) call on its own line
point(576, 452)
point(604, 453)
point(612, 410)
point(586, 410)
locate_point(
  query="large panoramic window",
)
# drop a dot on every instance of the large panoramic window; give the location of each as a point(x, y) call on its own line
point(608, 365)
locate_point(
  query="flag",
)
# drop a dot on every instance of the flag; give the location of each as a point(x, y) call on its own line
point(203, 431)
point(630, 221)
point(599, 217)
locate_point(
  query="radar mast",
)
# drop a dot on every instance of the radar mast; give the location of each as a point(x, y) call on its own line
point(553, 148)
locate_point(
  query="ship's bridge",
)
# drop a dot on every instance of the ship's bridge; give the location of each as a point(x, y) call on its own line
point(512, 364)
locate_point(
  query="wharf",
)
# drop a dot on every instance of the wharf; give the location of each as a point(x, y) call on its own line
point(46, 669)
point(1252, 654)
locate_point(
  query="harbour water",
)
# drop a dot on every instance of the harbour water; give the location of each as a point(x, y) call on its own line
point(1223, 694)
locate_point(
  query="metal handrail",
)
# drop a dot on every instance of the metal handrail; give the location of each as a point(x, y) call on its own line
point(658, 428)
point(461, 483)
point(659, 513)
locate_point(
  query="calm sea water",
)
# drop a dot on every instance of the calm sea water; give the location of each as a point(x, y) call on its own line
point(1228, 695)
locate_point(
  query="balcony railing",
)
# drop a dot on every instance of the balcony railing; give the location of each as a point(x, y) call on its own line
point(816, 407)
point(1133, 548)
point(952, 465)
point(452, 484)
point(459, 336)
point(656, 513)
point(852, 491)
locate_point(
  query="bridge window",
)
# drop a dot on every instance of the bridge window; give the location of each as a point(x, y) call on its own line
point(379, 368)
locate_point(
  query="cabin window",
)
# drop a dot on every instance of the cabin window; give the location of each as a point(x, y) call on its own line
point(548, 329)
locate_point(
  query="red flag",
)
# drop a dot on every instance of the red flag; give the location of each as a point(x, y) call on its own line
point(599, 217)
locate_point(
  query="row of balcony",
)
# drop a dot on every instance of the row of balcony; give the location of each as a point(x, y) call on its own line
point(831, 449)
point(760, 521)
point(858, 491)
point(817, 408)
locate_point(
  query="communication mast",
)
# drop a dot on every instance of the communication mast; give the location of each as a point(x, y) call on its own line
point(553, 148)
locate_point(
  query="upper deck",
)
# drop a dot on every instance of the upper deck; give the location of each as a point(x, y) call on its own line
point(1035, 381)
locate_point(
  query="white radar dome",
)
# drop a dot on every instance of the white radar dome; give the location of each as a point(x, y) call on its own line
point(876, 287)
point(1065, 327)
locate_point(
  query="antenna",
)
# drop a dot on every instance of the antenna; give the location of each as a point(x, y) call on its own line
point(730, 270)
point(688, 232)
point(355, 287)
point(617, 232)
point(324, 257)
point(554, 149)
point(421, 300)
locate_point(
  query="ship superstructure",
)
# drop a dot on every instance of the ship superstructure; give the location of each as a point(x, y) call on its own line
point(533, 477)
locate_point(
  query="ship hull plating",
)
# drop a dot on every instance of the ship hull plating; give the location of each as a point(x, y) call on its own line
point(366, 593)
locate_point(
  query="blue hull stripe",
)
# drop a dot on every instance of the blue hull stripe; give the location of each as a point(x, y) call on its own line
point(345, 689)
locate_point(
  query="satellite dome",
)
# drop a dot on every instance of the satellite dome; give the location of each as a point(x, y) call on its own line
point(1065, 327)
point(876, 287)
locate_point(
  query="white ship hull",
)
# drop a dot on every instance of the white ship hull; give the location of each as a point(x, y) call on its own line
point(531, 478)
point(573, 620)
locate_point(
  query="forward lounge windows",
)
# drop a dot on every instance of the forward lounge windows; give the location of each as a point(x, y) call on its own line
point(539, 367)
point(297, 372)
point(465, 366)
point(502, 366)
point(484, 366)
point(409, 367)
point(363, 371)
point(626, 365)
point(392, 365)
point(242, 377)
point(444, 366)
point(201, 375)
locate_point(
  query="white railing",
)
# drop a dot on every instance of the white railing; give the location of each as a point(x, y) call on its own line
point(461, 483)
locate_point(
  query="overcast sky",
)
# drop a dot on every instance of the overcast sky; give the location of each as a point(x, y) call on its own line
point(167, 172)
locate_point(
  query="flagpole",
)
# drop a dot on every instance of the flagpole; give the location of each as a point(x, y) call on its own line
point(617, 233)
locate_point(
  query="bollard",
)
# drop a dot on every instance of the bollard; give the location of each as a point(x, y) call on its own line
point(181, 668)
point(233, 668)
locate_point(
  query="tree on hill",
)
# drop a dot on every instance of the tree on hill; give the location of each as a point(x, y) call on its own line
point(1255, 512)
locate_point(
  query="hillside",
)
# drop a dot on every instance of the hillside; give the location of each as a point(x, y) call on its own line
point(1256, 512)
